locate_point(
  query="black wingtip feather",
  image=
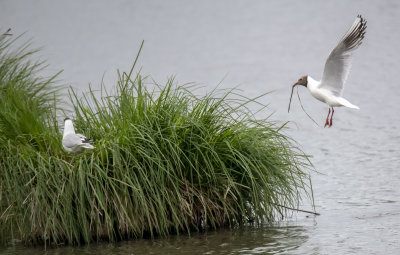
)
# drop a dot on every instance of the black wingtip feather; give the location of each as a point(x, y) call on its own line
point(354, 37)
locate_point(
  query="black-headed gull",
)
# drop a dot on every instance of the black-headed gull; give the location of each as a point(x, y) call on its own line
point(74, 143)
point(337, 67)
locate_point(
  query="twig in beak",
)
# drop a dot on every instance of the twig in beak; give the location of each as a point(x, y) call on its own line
point(291, 96)
point(303, 107)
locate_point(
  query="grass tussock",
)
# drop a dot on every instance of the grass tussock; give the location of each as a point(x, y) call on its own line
point(166, 161)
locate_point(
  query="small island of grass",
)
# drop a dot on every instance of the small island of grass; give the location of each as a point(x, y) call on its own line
point(165, 160)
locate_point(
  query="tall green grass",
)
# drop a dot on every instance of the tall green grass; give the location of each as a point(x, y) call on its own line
point(29, 134)
point(26, 99)
point(166, 161)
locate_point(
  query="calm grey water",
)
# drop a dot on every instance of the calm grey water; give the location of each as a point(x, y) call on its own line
point(259, 46)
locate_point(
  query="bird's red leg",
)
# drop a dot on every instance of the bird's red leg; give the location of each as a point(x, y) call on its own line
point(327, 118)
point(330, 124)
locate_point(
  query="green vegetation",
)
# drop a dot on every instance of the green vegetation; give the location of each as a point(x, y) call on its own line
point(166, 161)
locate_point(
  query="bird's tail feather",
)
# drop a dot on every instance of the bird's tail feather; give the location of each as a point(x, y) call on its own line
point(87, 146)
point(346, 103)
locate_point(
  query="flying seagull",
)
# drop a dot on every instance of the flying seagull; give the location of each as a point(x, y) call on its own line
point(337, 67)
point(74, 143)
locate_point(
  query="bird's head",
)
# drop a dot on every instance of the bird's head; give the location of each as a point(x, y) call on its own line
point(66, 119)
point(301, 81)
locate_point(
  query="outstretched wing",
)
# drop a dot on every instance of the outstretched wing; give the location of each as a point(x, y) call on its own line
point(338, 64)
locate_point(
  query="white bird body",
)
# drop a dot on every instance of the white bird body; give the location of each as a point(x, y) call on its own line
point(337, 68)
point(326, 96)
point(74, 143)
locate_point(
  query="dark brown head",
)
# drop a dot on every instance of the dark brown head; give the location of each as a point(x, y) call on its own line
point(301, 81)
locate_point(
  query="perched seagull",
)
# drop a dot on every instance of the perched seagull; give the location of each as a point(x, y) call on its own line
point(337, 67)
point(74, 143)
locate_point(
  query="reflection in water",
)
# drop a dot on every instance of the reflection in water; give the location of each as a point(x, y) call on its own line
point(280, 239)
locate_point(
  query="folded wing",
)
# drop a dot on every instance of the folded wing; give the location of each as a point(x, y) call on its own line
point(74, 141)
